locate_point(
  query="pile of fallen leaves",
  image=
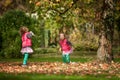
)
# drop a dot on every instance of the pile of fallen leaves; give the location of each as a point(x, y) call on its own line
point(61, 68)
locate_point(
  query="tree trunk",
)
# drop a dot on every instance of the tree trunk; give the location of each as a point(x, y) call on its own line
point(107, 18)
point(42, 35)
point(119, 41)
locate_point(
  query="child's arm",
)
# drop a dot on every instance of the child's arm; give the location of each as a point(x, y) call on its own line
point(60, 48)
point(69, 43)
point(30, 34)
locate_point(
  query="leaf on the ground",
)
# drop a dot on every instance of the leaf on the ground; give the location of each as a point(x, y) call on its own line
point(61, 68)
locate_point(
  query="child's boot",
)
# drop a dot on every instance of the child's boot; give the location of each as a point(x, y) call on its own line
point(64, 58)
point(67, 58)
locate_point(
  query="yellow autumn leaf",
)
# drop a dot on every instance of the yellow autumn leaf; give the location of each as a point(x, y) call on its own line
point(7, 2)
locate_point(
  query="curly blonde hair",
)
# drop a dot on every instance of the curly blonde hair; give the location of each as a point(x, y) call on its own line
point(23, 30)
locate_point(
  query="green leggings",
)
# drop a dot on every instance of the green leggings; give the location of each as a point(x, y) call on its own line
point(25, 58)
point(66, 58)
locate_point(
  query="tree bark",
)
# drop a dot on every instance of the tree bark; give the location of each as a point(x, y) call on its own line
point(107, 19)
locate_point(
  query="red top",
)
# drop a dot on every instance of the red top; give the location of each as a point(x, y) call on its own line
point(26, 42)
point(64, 45)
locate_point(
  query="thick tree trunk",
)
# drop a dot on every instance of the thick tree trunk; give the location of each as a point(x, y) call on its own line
point(107, 17)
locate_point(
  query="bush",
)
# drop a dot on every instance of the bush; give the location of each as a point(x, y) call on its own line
point(10, 23)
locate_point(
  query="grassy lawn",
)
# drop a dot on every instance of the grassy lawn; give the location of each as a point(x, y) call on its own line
point(33, 76)
point(55, 57)
point(47, 59)
point(83, 56)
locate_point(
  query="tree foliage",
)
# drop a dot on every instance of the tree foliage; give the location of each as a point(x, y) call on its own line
point(83, 19)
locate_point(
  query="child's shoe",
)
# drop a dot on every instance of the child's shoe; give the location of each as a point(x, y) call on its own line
point(24, 65)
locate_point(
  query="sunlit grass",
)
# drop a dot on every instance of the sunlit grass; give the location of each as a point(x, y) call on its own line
point(34, 76)
point(81, 56)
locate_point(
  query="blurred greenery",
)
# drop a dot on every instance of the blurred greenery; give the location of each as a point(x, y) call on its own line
point(81, 21)
point(11, 21)
point(78, 19)
point(34, 76)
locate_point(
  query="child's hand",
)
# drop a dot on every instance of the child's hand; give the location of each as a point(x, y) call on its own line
point(32, 33)
point(73, 48)
point(60, 50)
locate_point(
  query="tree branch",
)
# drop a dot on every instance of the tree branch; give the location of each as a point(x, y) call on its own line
point(63, 12)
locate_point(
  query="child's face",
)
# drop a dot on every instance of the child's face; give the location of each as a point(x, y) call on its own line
point(62, 36)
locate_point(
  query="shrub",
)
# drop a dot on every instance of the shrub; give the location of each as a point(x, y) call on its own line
point(10, 23)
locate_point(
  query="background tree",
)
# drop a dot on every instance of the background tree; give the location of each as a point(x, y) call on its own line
point(107, 9)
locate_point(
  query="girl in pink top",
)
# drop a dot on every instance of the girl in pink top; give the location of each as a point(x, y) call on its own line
point(66, 48)
point(26, 43)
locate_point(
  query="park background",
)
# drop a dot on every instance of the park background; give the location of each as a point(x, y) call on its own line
point(81, 20)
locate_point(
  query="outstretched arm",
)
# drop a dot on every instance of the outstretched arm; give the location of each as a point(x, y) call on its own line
point(69, 43)
point(30, 34)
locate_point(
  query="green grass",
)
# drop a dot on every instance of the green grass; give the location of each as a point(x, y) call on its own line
point(117, 60)
point(47, 59)
point(55, 57)
point(33, 76)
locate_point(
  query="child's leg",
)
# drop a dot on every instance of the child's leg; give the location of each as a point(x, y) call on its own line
point(68, 58)
point(25, 58)
point(64, 58)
